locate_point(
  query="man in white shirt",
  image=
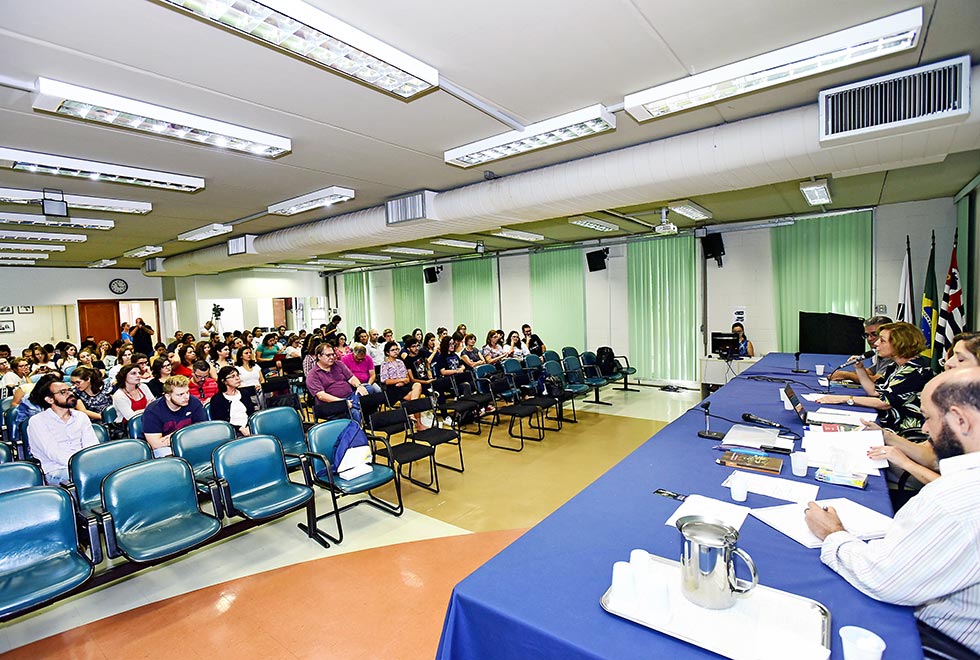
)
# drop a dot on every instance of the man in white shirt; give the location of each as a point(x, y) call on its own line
point(59, 431)
point(930, 557)
point(375, 350)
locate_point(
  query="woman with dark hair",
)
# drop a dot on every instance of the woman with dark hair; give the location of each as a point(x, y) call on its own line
point(230, 404)
point(745, 348)
point(186, 357)
point(250, 372)
point(398, 384)
point(220, 357)
point(125, 356)
point(266, 353)
point(94, 394)
point(429, 347)
point(493, 351)
point(162, 370)
point(131, 396)
point(471, 356)
point(341, 349)
point(202, 349)
point(517, 349)
point(309, 352)
point(294, 346)
point(69, 357)
point(896, 397)
point(41, 359)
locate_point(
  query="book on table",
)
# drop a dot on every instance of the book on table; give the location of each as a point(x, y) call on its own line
point(767, 464)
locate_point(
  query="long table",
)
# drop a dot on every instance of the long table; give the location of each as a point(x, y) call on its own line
point(539, 598)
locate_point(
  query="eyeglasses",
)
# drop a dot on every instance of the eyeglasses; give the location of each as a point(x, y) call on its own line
point(66, 390)
point(329, 355)
point(871, 335)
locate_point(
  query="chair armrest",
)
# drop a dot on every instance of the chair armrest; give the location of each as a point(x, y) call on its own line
point(90, 523)
point(108, 532)
point(311, 477)
point(69, 487)
point(626, 359)
point(214, 490)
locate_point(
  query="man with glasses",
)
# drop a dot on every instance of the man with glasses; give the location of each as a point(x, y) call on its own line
point(17, 376)
point(330, 380)
point(878, 364)
point(203, 386)
point(59, 431)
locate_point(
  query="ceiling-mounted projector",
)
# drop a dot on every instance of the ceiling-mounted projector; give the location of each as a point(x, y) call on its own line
point(665, 226)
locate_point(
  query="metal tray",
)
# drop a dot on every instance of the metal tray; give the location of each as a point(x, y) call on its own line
point(767, 624)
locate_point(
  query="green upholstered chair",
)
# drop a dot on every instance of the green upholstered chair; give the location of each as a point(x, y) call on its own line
point(569, 351)
point(101, 434)
point(19, 475)
point(255, 484)
point(86, 470)
point(9, 415)
point(323, 440)
point(195, 444)
point(110, 415)
point(590, 368)
point(151, 511)
point(41, 559)
point(285, 425)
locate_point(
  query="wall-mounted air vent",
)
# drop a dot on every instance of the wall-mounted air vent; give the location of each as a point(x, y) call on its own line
point(924, 97)
point(417, 206)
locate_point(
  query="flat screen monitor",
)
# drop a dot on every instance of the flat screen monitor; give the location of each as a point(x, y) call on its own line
point(724, 344)
point(831, 333)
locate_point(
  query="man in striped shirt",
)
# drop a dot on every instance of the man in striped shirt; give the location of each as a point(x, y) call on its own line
point(930, 557)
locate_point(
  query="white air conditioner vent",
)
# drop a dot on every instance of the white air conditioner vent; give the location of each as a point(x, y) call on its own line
point(417, 206)
point(927, 96)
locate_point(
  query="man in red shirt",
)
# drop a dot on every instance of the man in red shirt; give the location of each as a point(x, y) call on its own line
point(202, 385)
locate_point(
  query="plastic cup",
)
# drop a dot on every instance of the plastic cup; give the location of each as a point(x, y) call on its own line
point(799, 463)
point(623, 593)
point(819, 368)
point(739, 490)
point(861, 644)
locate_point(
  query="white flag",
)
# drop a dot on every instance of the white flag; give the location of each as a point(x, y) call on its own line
point(904, 311)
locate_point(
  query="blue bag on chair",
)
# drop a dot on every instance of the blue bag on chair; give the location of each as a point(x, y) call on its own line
point(352, 455)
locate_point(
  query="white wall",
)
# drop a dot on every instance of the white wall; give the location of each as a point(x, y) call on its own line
point(514, 276)
point(606, 303)
point(46, 324)
point(439, 301)
point(382, 302)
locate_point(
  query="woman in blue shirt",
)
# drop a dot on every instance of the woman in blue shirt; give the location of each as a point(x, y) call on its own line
point(745, 348)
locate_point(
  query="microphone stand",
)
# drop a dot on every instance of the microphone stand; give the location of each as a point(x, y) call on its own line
point(707, 432)
point(797, 370)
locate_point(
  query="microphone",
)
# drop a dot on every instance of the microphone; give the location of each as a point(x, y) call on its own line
point(749, 417)
point(707, 432)
point(797, 370)
point(857, 358)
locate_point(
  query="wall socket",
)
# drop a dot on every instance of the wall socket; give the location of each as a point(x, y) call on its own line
point(881, 309)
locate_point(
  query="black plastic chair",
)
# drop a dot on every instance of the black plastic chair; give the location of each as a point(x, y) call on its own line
point(388, 423)
point(516, 413)
point(436, 434)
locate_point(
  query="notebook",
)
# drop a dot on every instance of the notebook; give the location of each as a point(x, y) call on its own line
point(859, 520)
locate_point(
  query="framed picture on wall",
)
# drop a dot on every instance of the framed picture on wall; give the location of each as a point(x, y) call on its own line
point(6, 309)
point(6, 326)
point(25, 309)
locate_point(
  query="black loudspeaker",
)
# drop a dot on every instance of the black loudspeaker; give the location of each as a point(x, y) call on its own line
point(431, 275)
point(713, 247)
point(597, 260)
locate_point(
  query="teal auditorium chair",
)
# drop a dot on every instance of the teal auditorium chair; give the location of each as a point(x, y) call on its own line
point(611, 367)
point(151, 511)
point(285, 425)
point(256, 486)
point(591, 370)
point(323, 442)
point(20, 475)
point(569, 351)
point(41, 559)
point(86, 470)
point(577, 376)
point(551, 356)
point(134, 427)
point(110, 415)
point(6, 453)
point(195, 444)
point(101, 434)
point(569, 390)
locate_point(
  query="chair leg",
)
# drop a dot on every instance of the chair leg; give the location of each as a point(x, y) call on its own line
point(433, 483)
point(596, 399)
point(542, 415)
point(311, 528)
point(490, 435)
point(626, 385)
point(459, 447)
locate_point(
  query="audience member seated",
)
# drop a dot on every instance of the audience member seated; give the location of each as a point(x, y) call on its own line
point(203, 387)
point(375, 348)
point(87, 358)
point(493, 351)
point(342, 349)
point(745, 348)
point(428, 347)
point(68, 358)
point(42, 360)
point(532, 341)
point(294, 347)
point(266, 353)
point(896, 398)
point(4, 369)
point(162, 370)
point(174, 411)
point(516, 347)
point(124, 357)
point(331, 380)
point(362, 366)
point(143, 363)
point(251, 373)
point(928, 557)
point(132, 396)
point(19, 371)
point(447, 362)
point(219, 357)
point(394, 375)
point(471, 356)
point(59, 430)
point(878, 364)
point(93, 392)
point(105, 354)
point(419, 369)
point(229, 405)
point(186, 357)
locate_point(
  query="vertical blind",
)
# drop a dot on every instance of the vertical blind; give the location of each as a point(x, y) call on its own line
point(355, 301)
point(475, 295)
point(558, 298)
point(409, 299)
point(821, 265)
point(662, 282)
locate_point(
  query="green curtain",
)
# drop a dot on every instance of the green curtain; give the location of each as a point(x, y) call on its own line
point(406, 284)
point(662, 288)
point(356, 307)
point(821, 265)
point(475, 295)
point(558, 298)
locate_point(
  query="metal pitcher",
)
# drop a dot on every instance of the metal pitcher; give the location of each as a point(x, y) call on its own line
point(707, 568)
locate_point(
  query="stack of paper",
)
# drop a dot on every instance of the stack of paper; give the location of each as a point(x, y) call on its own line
point(857, 519)
point(699, 505)
point(756, 437)
point(781, 489)
point(844, 452)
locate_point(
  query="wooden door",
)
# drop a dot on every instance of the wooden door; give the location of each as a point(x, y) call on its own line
point(99, 318)
point(278, 313)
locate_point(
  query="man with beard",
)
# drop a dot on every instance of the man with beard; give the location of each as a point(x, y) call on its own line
point(59, 430)
point(930, 557)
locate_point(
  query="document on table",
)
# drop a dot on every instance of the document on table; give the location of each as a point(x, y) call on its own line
point(781, 489)
point(844, 452)
point(699, 505)
point(848, 415)
point(756, 437)
point(859, 520)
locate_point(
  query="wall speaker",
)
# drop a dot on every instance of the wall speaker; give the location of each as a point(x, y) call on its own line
point(431, 275)
point(597, 260)
point(713, 247)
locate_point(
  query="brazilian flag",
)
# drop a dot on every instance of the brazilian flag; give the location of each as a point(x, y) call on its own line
point(930, 300)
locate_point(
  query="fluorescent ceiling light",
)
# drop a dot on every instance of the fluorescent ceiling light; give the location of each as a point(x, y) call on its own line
point(144, 251)
point(23, 255)
point(331, 262)
point(864, 42)
point(592, 223)
point(31, 161)
point(208, 231)
point(453, 243)
point(16, 196)
point(518, 235)
point(689, 209)
point(92, 105)
point(44, 221)
point(301, 29)
point(817, 192)
point(36, 247)
point(313, 200)
point(408, 250)
point(366, 257)
point(571, 126)
point(102, 263)
point(15, 262)
point(14, 235)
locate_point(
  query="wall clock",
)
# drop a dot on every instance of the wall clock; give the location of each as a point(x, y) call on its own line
point(118, 286)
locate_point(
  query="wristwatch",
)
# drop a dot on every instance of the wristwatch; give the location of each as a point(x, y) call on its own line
point(850, 400)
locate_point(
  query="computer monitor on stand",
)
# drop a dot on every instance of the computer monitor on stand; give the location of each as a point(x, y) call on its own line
point(724, 345)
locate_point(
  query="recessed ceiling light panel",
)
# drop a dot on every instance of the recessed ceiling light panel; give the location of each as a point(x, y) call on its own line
point(817, 193)
point(313, 200)
point(45, 221)
point(689, 209)
point(518, 235)
point(31, 161)
point(593, 223)
point(92, 105)
point(17, 196)
point(408, 250)
point(453, 243)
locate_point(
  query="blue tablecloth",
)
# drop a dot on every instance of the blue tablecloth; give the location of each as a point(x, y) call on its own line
point(539, 598)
